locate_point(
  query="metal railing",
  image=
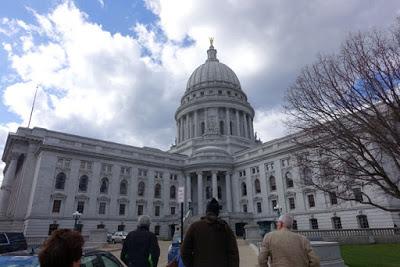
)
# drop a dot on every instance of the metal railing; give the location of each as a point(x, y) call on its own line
point(360, 236)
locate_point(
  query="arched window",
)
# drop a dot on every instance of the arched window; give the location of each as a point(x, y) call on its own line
point(60, 181)
point(172, 192)
point(221, 127)
point(289, 180)
point(141, 188)
point(157, 191)
point(257, 186)
point(123, 187)
point(230, 127)
point(219, 192)
point(104, 186)
point(83, 183)
point(208, 192)
point(244, 189)
point(272, 183)
point(202, 127)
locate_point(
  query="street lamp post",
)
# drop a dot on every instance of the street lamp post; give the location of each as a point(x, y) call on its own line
point(278, 210)
point(76, 215)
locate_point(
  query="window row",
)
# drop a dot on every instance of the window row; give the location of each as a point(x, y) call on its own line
point(212, 92)
point(122, 208)
point(272, 184)
point(336, 221)
point(104, 186)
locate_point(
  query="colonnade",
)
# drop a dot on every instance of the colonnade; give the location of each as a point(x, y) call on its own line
point(189, 125)
point(200, 177)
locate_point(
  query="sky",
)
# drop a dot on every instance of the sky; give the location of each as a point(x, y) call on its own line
point(116, 70)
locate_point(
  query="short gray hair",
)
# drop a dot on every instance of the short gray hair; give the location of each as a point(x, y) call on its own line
point(287, 220)
point(144, 220)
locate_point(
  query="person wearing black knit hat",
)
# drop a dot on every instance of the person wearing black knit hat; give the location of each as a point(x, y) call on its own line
point(210, 241)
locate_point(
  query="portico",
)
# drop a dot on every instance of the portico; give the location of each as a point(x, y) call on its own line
point(206, 184)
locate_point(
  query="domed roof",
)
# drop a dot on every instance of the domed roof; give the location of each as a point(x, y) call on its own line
point(213, 73)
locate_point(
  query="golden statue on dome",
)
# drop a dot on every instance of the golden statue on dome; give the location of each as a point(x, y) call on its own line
point(211, 40)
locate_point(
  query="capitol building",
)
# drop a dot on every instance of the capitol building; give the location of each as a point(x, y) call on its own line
point(49, 175)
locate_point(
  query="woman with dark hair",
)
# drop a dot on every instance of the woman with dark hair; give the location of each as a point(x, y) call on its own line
point(62, 249)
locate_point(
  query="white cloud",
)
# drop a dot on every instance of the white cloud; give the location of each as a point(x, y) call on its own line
point(269, 124)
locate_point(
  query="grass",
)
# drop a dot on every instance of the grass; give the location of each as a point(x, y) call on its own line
point(382, 255)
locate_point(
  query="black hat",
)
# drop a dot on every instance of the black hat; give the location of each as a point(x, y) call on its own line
point(213, 207)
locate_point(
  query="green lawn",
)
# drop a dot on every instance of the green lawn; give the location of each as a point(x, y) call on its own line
point(382, 255)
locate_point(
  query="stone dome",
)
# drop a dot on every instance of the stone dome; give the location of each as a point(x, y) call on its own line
point(212, 74)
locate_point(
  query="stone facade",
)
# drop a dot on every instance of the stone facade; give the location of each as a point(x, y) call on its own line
point(49, 175)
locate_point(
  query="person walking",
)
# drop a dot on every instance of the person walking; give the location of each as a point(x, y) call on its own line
point(286, 249)
point(140, 248)
point(210, 241)
point(62, 249)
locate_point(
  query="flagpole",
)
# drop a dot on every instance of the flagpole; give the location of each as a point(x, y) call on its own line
point(33, 105)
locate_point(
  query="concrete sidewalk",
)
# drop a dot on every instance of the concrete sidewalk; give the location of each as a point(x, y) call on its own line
point(248, 257)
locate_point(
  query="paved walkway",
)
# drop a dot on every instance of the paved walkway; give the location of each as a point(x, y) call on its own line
point(248, 257)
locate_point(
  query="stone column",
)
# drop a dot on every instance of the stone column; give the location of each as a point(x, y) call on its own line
point(199, 193)
point(228, 122)
point(250, 190)
point(214, 185)
point(246, 125)
point(177, 131)
point(237, 122)
point(251, 129)
point(205, 120)
point(187, 126)
point(180, 129)
point(196, 124)
point(188, 190)
point(5, 189)
point(165, 195)
point(228, 191)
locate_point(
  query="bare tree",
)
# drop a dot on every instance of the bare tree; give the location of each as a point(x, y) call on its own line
point(347, 108)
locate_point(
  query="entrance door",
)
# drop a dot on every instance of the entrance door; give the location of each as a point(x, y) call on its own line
point(239, 229)
point(266, 226)
point(171, 230)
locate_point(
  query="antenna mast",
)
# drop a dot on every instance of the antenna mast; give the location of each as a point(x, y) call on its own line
point(33, 105)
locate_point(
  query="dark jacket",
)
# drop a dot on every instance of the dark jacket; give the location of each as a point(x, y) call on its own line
point(137, 247)
point(210, 242)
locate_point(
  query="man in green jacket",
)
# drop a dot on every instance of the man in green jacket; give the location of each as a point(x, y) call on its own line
point(210, 242)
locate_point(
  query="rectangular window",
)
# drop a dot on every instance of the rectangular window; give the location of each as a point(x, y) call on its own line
point(157, 230)
point(102, 208)
point(52, 227)
point(333, 198)
point(358, 194)
point(259, 208)
point(140, 210)
point(336, 223)
point(292, 204)
point(122, 209)
point(294, 225)
point(362, 221)
point(311, 201)
point(314, 223)
point(244, 208)
point(81, 206)
point(172, 210)
point(157, 211)
point(56, 206)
